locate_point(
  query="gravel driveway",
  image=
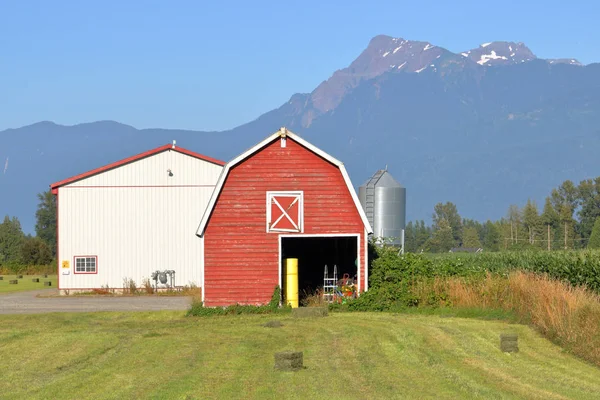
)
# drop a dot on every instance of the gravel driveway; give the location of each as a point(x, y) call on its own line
point(28, 303)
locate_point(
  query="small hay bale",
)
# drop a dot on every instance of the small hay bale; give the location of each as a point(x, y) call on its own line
point(45, 275)
point(289, 361)
point(19, 276)
point(273, 324)
point(48, 283)
point(310, 312)
point(13, 282)
point(509, 342)
point(35, 280)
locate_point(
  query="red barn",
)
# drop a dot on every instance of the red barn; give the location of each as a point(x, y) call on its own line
point(282, 198)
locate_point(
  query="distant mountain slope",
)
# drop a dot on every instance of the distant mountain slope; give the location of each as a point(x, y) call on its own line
point(482, 129)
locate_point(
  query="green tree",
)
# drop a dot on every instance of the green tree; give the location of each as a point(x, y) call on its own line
point(471, 238)
point(491, 236)
point(566, 194)
point(45, 227)
point(532, 221)
point(551, 221)
point(448, 212)
point(416, 235)
point(11, 240)
point(589, 206)
point(442, 239)
point(35, 251)
point(471, 223)
point(567, 226)
point(594, 242)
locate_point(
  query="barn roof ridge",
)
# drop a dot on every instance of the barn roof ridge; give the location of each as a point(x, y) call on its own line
point(171, 146)
point(282, 133)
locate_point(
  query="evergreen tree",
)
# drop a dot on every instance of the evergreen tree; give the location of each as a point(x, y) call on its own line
point(45, 226)
point(491, 236)
point(594, 242)
point(589, 206)
point(567, 226)
point(550, 219)
point(471, 238)
point(531, 219)
point(11, 240)
point(448, 212)
point(442, 239)
point(423, 233)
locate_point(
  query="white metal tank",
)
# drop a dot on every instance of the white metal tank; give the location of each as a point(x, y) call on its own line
point(384, 202)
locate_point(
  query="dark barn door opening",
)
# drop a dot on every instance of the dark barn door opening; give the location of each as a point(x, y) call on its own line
point(313, 254)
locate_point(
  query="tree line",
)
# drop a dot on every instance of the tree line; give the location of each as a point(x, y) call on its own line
point(18, 249)
point(569, 219)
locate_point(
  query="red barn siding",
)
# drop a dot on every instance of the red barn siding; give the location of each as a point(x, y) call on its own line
point(241, 258)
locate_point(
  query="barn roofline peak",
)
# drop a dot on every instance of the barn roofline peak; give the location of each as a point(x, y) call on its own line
point(302, 142)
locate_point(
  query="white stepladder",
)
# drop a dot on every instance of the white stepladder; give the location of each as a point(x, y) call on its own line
point(330, 285)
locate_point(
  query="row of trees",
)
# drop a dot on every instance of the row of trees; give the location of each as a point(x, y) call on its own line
point(569, 219)
point(16, 248)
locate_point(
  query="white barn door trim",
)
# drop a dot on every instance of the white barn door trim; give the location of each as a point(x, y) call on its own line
point(285, 211)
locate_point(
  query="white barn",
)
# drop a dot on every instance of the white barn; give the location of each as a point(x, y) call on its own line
point(133, 217)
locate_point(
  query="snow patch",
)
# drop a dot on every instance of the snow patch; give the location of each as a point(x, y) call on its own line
point(386, 53)
point(438, 56)
point(419, 70)
point(512, 54)
point(396, 49)
point(487, 57)
point(402, 65)
point(510, 48)
point(486, 44)
point(464, 54)
point(428, 47)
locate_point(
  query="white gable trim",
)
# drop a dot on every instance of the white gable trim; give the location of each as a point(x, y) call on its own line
point(283, 132)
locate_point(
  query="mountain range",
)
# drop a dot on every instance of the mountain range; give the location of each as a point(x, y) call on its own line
point(483, 128)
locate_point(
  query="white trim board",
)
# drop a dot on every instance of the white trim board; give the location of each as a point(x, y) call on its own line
point(299, 195)
point(282, 133)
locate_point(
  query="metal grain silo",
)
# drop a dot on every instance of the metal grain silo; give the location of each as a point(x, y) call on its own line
point(384, 202)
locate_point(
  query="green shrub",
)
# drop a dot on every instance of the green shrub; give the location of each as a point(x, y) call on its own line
point(197, 308)
point(402, 281)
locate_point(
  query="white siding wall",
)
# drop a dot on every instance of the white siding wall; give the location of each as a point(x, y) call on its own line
point(136, 219)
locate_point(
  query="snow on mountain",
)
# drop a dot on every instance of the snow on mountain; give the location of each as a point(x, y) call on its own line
point(500, 53)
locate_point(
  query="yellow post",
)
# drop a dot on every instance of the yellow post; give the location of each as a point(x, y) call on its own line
point(291, 281)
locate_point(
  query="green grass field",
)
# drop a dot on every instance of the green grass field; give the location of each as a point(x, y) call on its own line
point(25, 283)
point(164, 355)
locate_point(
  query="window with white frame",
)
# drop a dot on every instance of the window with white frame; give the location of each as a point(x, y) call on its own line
point(86, 264)
point(285, 211)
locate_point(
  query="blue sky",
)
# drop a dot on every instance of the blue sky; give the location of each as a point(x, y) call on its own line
point(215, 65)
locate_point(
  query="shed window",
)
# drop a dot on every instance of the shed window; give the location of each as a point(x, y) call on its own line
point(285, 211)
point(86, 264)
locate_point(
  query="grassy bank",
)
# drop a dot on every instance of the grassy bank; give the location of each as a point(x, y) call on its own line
point(366, 355)
point(25, 283)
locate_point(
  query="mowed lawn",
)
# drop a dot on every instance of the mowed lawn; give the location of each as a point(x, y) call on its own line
point(25, 283)
point(164, 355)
